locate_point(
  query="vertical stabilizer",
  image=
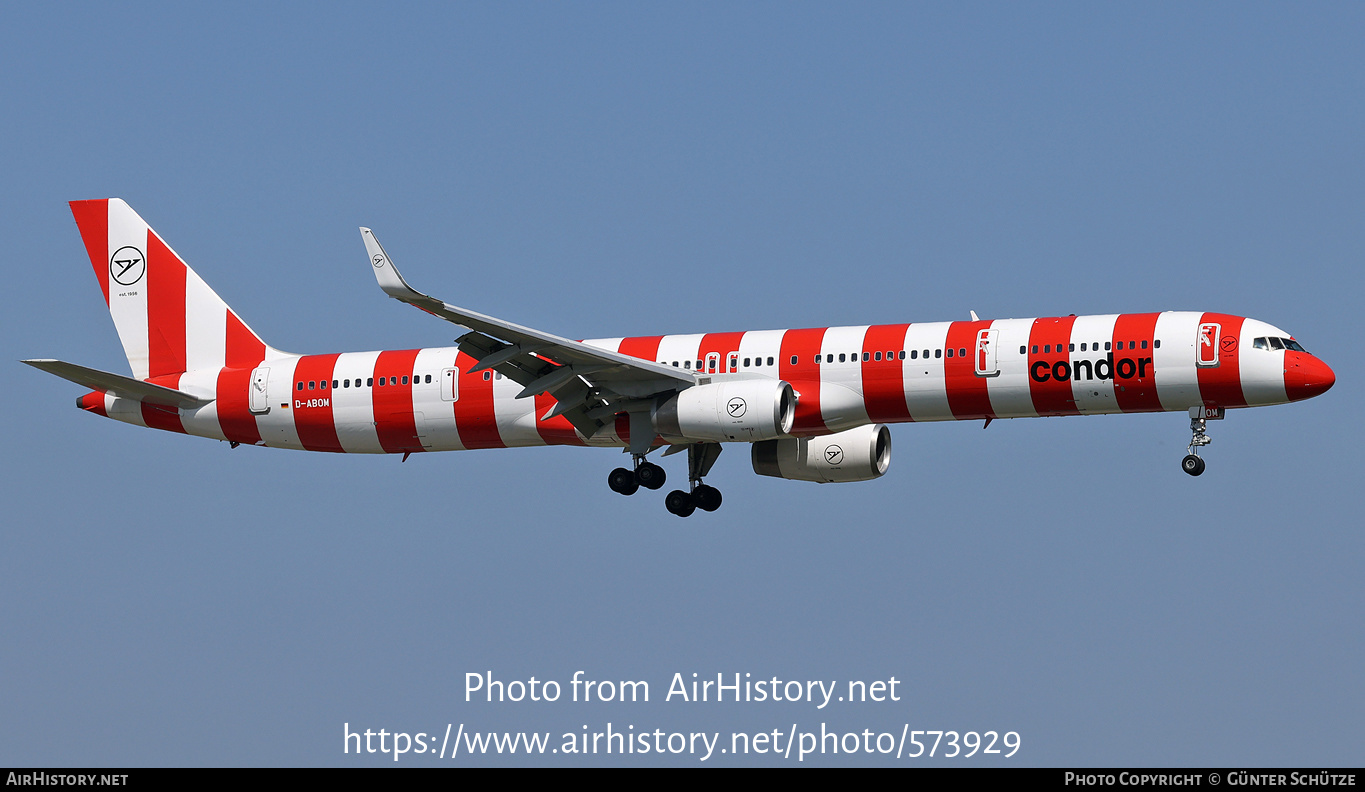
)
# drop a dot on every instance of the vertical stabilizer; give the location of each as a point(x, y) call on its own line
point(168, 319)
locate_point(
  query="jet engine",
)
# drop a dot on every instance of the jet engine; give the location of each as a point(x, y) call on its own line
point(727, 411)
point(860, 454)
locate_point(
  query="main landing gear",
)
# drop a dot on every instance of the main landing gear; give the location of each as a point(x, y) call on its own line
point(1193, 463)
point(646, 474)
point(700, 458)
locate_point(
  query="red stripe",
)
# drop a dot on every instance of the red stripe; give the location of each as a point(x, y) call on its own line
point(312, 408)
point(393, 419)
point(93, 402)
point(244, 349)
point(804, 376)
point(884, 380)
point(1137, 391)
point(165, 309)
point(722, 344)
point(474, 416)
point(1221, 385)
point(557, 430)
point(967, 394)
point(92, 218)
point(158, 417)
point(645, 347)
point(1052, 396)
point(234, 415)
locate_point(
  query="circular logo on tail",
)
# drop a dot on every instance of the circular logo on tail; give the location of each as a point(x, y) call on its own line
point(127, 265)
point(378, 261)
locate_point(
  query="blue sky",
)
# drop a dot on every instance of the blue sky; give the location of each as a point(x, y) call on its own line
point(618, 169)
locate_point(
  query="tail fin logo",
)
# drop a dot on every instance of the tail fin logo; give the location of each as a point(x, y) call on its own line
point(127, 265)
point(378, 261)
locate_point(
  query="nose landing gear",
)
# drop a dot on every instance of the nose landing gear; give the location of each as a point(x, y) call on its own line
point(1193, 463)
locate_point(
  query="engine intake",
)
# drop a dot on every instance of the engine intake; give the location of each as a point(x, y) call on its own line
point(723, 412)
point(859, 454)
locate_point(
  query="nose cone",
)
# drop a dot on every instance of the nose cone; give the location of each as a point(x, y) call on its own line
point(1305, 376)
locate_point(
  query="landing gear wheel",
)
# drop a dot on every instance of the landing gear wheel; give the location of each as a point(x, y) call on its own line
point(706, 497)
point(680, 503)
point(650, 476)
point(1192, 464)
point(623, 481)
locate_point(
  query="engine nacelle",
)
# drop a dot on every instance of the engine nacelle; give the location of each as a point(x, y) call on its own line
point(860, 454)
point(727, 411)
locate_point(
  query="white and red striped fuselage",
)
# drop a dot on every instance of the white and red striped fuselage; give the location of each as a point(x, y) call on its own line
point(844, 377)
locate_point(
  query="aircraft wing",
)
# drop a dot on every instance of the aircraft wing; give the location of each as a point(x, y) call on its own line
point(119, 385)
point(590, 384)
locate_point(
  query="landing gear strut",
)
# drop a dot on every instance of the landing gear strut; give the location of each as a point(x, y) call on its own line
point(700, 458)
point(1193, 463)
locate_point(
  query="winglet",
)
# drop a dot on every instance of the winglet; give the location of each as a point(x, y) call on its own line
point(975, 318)
point(390, 279)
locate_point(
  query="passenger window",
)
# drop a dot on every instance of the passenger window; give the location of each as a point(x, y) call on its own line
point(794, 359)
point(746, 362)
point(938, 353)
point(687, 364)
point(405, 379)
point(841, 357)
point(1082, 346)
point(1132, 345)
point(877, 356)
point(1047, 349)
point(345, 383)
point(1071, 347)
point(950, 351)
point(1023, 350)
point(962, 352)
point(381, 382)
point(1035, 349)
point(902, 354)
point(369, 382)
point(428, 380)
point(926, 354)
point(1156, 344)
point(1106, 346)
point(300, 386)
point(1275, 343)
point(334, 384)
point(770, 361)
point(829, 358)
point(914, 354)
point(868, 356)
point(487, 375)
point(1144, 344)
point(312, 385)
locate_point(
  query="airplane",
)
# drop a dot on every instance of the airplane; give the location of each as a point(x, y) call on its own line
point(812, 404)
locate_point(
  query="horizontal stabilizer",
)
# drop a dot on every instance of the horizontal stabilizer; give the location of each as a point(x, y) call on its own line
point(119, 385)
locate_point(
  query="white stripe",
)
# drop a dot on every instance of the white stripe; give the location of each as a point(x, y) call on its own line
point(1177, 379)
point(128, 303)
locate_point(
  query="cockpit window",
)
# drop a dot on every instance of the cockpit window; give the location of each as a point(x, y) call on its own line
point(1290, 343)
point(1275, 343)
point(1260, 343)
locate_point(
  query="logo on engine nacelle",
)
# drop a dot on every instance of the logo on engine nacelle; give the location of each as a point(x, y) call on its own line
point(736, 407)
point(834, 455)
